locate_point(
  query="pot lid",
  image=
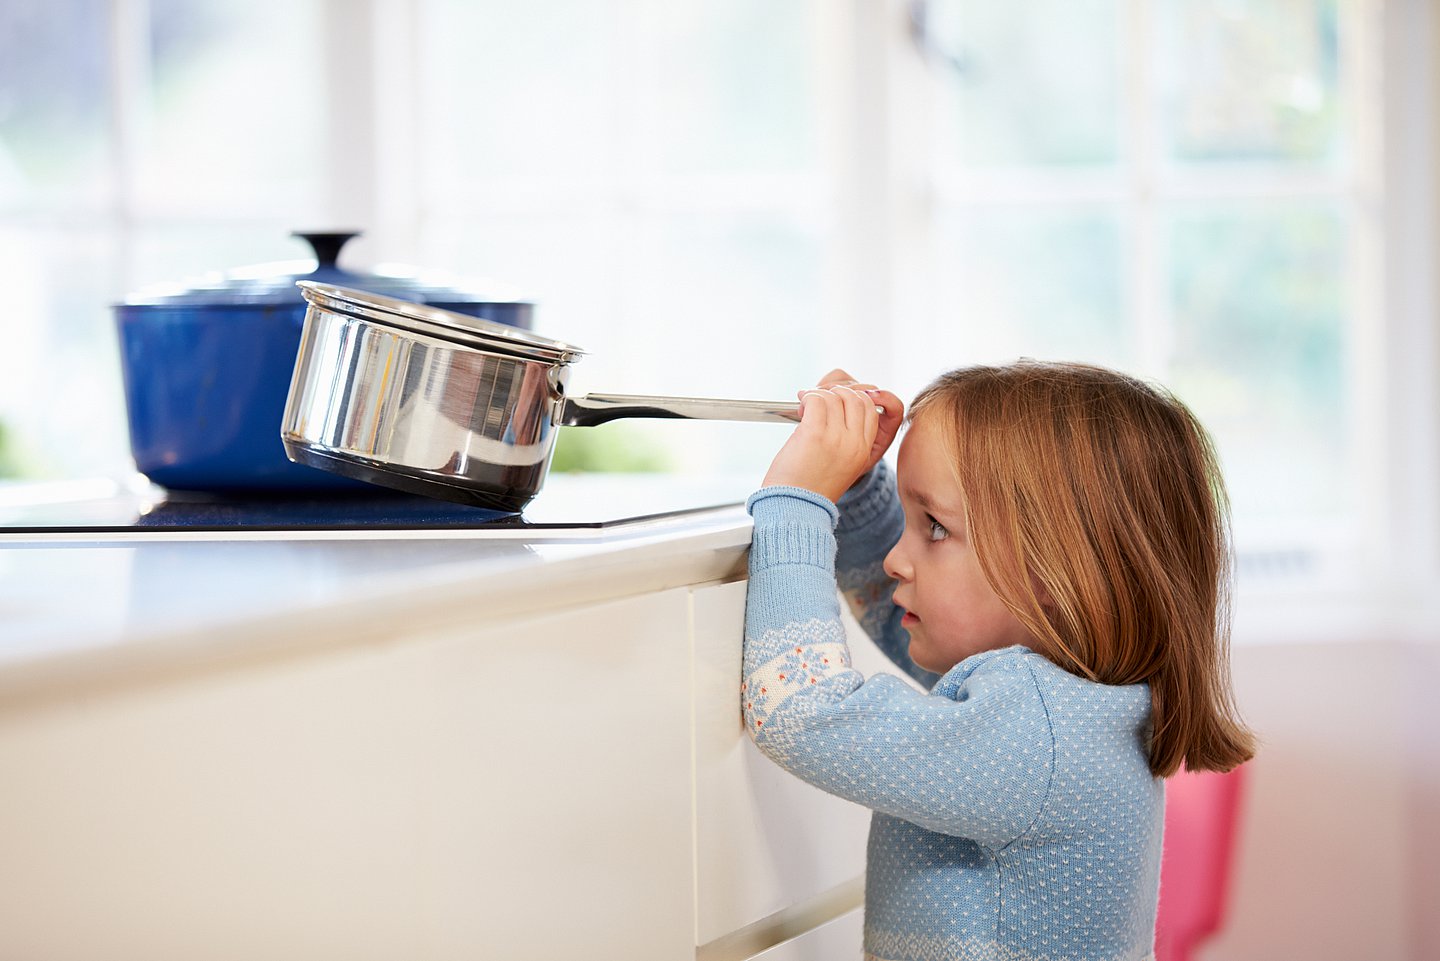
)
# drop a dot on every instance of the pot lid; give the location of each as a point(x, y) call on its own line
point(274, 283)
point(437, 322)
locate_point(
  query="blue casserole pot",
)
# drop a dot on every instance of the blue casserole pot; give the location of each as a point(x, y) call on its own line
point(207, 368)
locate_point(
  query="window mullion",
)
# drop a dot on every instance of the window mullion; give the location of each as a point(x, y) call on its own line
point(1151, 316)
point(129, 115)
point(900, 238)
point(1393, 359)
point(349, 133)
point(861, 278)
point(398, 135)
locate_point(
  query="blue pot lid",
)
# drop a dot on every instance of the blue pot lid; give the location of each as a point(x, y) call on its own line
point(273, 284)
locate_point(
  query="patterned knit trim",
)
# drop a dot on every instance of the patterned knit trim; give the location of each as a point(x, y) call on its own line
point(893, 946)
point(867, 584)
point(811, 653)
point(868, 590)
point(875, 957)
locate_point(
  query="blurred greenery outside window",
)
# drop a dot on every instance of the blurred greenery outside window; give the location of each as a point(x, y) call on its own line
point(1159, 185)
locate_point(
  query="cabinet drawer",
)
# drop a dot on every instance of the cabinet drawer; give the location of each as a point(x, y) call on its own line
point(839, 940)
point(519, 790)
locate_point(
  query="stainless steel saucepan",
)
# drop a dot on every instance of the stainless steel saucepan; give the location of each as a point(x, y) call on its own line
point(447, 405)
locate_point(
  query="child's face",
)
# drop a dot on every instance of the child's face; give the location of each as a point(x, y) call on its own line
point(951, 611)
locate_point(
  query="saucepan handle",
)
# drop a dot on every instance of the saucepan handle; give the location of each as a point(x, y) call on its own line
point(589, 410)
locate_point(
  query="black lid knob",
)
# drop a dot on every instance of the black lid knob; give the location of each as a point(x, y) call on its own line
point(326, 244)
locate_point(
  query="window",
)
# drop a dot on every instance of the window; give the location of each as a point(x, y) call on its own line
point(139, 143)
point(1171, 188)
point(657, 174)
point(729, 197)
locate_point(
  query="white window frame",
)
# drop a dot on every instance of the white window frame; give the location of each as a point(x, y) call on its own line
point(880, 191)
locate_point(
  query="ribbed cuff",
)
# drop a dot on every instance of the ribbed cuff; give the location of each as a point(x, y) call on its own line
point(792, 526)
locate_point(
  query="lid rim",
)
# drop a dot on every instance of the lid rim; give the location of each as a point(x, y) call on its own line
point(434, 321)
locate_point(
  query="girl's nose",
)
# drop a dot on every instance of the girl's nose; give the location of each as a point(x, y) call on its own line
point(896, 564)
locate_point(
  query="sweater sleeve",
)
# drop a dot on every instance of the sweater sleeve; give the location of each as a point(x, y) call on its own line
point(970, 759)
point(871, 521)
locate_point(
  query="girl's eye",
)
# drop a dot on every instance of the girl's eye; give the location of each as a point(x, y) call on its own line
point(937, 530)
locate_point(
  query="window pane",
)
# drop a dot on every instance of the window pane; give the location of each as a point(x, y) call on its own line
point(54, 109)
point(672, 305)
point(1247, 80)
point(669, 305)
point(725, 307)
point(169, 253)
point(1029, 84)
point(567, 264)
point(1027, 281)
point(1259, 297)
point(61, 403)
point(719, 288)
point(738, 86)
point(518, 89)
point(236, 107)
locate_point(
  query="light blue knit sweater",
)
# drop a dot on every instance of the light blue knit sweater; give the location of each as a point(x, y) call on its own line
point(1015, 815)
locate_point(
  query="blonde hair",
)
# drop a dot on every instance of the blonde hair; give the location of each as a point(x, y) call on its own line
point(1096, 508)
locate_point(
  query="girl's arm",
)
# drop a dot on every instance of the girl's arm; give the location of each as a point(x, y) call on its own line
point(845, 429)
point(974, 765)
point(870, 523)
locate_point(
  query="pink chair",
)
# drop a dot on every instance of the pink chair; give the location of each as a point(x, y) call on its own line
point(1201, 813)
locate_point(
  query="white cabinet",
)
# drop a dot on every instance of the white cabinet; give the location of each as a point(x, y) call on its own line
point(543, 785)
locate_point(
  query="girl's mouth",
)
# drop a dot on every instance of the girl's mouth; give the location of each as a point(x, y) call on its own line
point(909, 620)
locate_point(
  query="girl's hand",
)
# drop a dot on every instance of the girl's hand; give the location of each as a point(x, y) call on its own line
point(890, 420)
point(840, 437)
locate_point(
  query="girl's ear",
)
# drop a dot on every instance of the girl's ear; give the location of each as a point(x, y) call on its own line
point(1042, 594)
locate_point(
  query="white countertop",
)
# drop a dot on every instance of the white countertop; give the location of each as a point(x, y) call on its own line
point(77, 606)
point(82, 607)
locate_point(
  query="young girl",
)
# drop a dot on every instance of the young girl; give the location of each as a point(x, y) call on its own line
point(1051, 568)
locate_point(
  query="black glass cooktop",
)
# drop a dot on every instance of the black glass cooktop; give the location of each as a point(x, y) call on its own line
point(593, 502)
point(186, 511)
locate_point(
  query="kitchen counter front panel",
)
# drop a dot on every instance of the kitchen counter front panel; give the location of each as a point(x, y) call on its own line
point(431, 748)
